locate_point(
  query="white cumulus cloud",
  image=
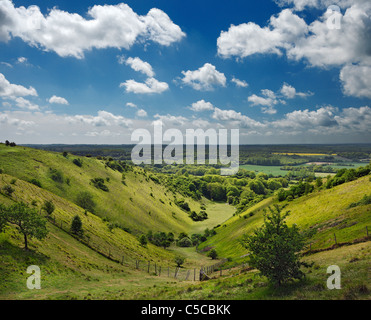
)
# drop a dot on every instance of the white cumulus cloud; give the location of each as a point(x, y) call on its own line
point(58, 100)
point(9, 90)
point(201, 105)
point(141, 66)
point(151, 85)
point(70, 34)
point(204, 78)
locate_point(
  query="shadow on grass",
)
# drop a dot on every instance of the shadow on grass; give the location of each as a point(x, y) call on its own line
point(22, 256)
point(288, 289)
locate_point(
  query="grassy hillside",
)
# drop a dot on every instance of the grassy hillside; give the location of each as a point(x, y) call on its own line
point(97, 233)
point(243, 284)
point(319, 214)
point(88, 267)
point(140, 204)
point(69, 270)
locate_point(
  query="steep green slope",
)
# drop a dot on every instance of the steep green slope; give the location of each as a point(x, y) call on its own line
point(319, 215)
point(140, 204)
point(97, 234)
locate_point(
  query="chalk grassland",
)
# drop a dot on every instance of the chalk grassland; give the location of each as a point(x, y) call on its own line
point(75, 268)
point(320, 215)
point(241, 284)
point(140, 204)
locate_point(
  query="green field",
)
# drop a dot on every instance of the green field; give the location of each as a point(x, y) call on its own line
point(274, 170)
point(100, 264)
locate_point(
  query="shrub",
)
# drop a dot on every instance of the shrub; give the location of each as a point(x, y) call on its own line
point(143, 240)
point(56, 175)
point(36, 182)
point(212, 254)
point(179, 261)
point(99, 184)
point(8, 190)
point(48, 207)
point(85, 200)
point(77, 162)
point(185, 242)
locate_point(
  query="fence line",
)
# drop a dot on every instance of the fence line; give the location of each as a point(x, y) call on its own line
point(151, 267)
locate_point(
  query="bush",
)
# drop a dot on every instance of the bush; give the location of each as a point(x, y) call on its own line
point(143, 240)
point(212, 254)
point(185, 242)
point(36, 182)
point(48, 207)
point(179, 261)
point(99, 184)
point(56, 175)
point(85, 200)
point(77, 162)
point(8, 190)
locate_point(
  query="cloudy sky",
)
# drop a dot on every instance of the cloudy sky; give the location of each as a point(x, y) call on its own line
point(283, 71)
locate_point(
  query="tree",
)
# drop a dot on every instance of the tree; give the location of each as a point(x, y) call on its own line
point(319, 182)
point(48, 207)
point(27, 220)
point(76, 226)
point(179, 261)
point(161, 239)
point(274, 247)
point(143, 240)
point(212, 254)
point(85, 200)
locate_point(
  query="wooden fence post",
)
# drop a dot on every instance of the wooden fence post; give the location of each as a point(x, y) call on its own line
point(194, 274)
point(159, 272)
point(335, 238)
point(367, 231)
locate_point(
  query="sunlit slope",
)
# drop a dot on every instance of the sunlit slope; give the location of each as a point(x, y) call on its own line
point(97, 234)
point(140, 204)
point(319, 215)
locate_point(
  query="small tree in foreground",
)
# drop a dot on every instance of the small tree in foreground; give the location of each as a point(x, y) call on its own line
point(76, 226)
point(274, 248)
point(27, 220)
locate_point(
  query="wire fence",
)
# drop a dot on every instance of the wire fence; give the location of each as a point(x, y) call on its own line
point(149, 266)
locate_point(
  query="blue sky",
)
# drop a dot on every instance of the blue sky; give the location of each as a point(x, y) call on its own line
point(92, 72)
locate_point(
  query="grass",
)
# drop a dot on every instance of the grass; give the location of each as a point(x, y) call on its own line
point(77, 269)
point(274, 170)
point(140, 205)
point(321, 214)
point(239, 284)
